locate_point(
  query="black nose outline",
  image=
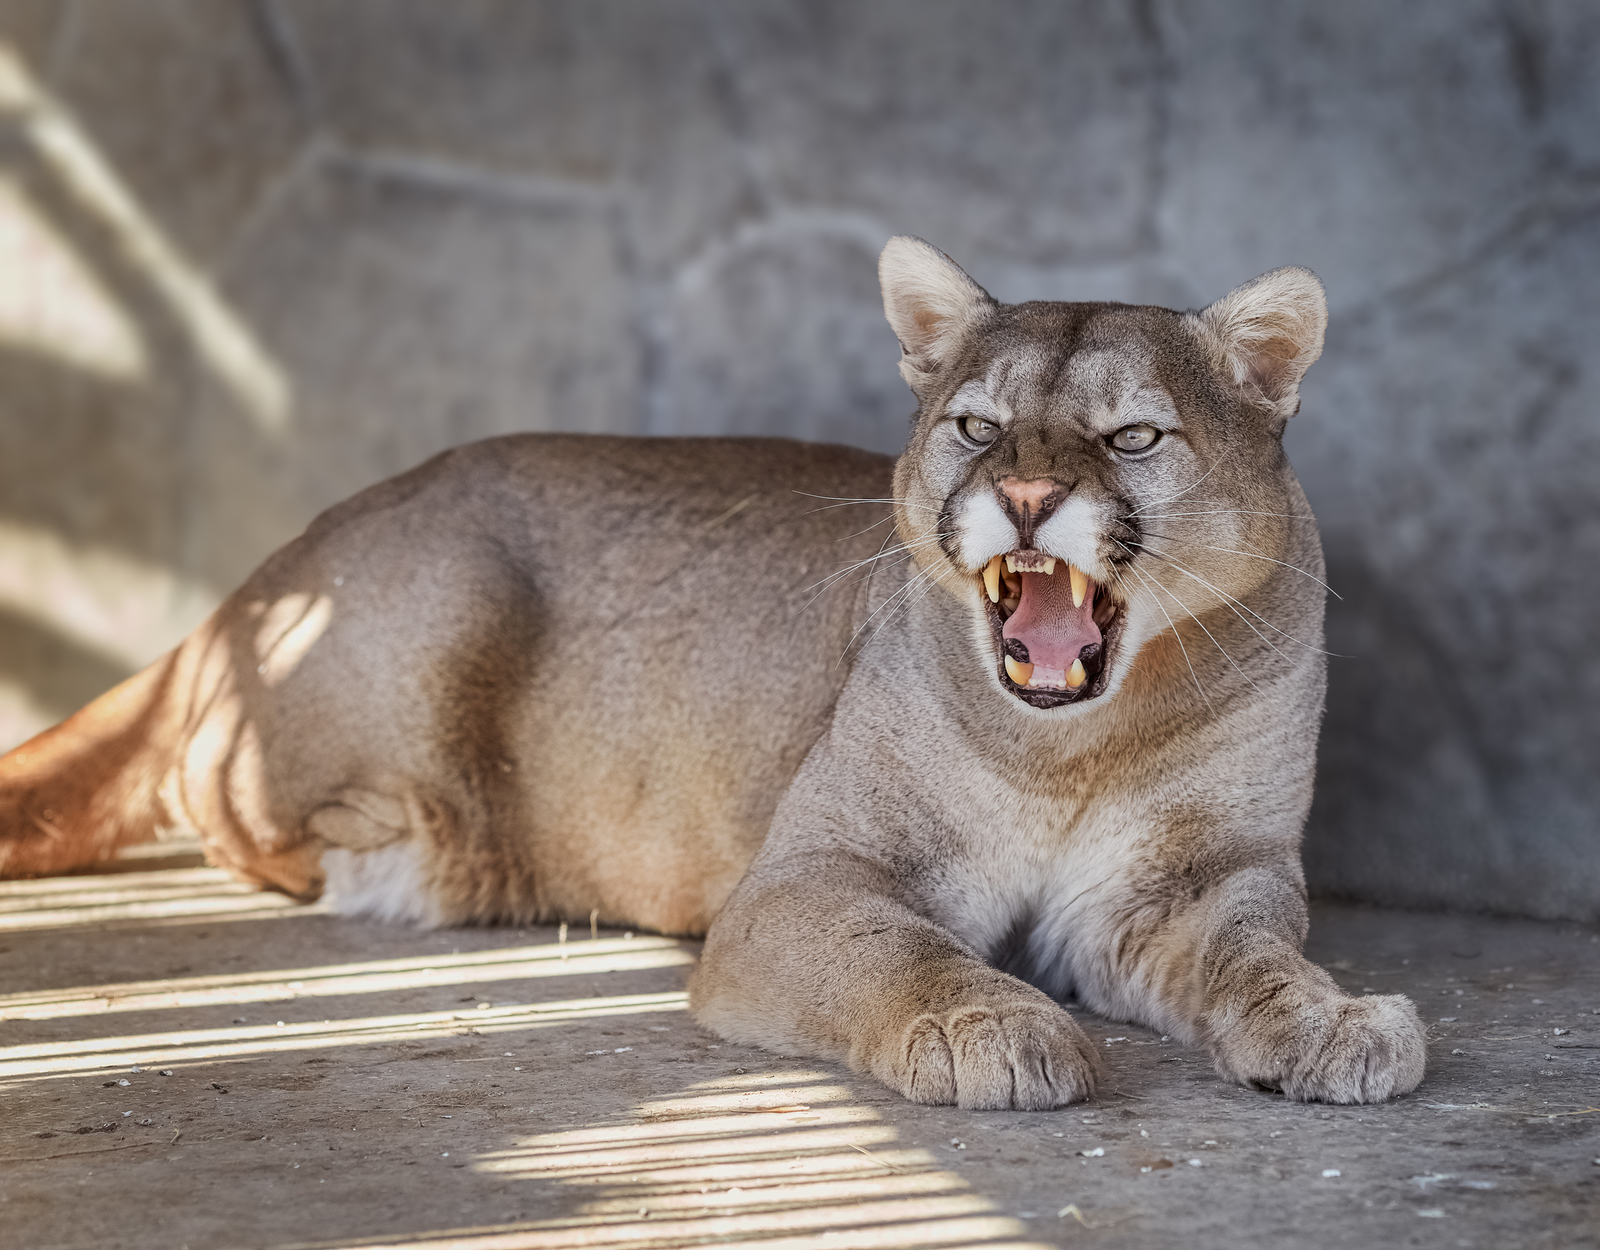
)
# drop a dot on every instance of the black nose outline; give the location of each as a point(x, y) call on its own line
point(1028, 519)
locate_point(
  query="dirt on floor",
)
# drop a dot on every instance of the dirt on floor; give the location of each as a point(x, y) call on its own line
point(187, 1063)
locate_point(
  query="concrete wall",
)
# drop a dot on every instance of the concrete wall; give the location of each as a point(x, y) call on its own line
point(256, 256)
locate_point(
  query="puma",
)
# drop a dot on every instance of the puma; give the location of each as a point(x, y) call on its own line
point(925, 747)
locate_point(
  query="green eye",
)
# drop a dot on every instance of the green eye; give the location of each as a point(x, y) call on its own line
point(977, 430)
point(1135, 437)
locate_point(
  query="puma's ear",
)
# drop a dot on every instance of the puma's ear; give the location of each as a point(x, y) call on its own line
point(1264, 335)
point(929, 301)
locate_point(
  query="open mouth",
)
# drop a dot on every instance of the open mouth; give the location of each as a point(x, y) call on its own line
point(1054, 628)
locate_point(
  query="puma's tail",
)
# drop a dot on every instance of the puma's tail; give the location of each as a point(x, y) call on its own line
point(75, 793)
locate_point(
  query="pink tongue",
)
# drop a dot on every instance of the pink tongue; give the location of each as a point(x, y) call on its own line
point(1046, 622)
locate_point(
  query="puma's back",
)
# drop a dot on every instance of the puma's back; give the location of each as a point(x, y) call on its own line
point(535, 677)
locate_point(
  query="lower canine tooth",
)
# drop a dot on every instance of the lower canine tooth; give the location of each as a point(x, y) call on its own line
point(1020, 673)
point(1075, 675)
point(1080, 585)
point(991, 579)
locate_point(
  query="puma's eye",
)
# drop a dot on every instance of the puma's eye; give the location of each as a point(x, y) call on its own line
point(1135, 437)
point(977, 430)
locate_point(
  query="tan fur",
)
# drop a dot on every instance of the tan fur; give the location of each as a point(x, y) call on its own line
point(540, 676)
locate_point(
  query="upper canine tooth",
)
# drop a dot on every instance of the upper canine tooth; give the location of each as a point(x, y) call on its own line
point(1049, 565)
point(991, 579)
point(1075, 675)
point(1019, 673)
point(1080, 585)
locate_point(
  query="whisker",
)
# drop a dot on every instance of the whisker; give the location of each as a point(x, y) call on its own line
point(834, 580)
point(929, 585)
point(881, 555)
point(1173, 625)
point(905, 608)
point(1202, 626)
point(1219, 503)
point(1127, 595)
point(1257, 556)
point(1157, 502)
point(881, 521)
point(1230, 600)
point(1227, 599)
point(1167, 516)
point(841, 501)
point(885, 604)
point(834, 577)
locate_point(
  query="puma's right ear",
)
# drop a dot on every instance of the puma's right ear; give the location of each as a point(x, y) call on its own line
point(929, 301)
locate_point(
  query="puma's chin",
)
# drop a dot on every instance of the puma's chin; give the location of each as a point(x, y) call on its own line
point(1055, 629)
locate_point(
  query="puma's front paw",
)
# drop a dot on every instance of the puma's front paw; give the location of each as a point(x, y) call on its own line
point(1026, 1055)
point(1327, 1049)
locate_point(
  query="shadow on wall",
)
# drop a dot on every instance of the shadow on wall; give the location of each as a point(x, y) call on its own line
point(1404, 792)
point(155, 449)
point(105, 330)
point(1418, 801)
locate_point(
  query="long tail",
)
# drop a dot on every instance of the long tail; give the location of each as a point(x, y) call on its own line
point(75, 793)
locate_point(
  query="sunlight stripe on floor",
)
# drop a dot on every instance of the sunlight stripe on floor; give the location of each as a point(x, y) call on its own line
point(775, 1161)
point(158, 1049)
point(374, 977)
point(156, 896)
point(992, 1232)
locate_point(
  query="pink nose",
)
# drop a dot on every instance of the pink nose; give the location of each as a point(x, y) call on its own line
point(1030, 495)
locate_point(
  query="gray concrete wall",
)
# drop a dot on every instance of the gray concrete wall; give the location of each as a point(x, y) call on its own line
point(256, 256)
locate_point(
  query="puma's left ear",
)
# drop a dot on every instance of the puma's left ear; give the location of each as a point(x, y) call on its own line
point(1264, 335)
point(930, 303)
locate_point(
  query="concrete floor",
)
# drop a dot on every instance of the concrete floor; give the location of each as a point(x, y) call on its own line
point(186, 1063)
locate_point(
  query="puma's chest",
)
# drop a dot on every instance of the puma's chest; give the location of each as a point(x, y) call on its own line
point(1013, 874)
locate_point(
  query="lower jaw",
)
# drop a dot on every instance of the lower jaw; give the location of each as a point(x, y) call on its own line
point(1098, 670)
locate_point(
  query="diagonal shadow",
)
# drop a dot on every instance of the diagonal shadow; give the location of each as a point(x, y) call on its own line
point(57, 674)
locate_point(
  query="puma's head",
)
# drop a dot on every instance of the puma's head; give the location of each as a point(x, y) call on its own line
point(1087, 474)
